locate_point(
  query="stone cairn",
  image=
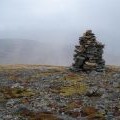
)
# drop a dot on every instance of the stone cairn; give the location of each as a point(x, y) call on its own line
point(88, 55)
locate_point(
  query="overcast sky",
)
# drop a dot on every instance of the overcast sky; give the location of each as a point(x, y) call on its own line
point(62, 22)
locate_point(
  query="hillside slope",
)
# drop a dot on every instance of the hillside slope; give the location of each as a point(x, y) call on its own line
point(22, 51)
point(36, 92)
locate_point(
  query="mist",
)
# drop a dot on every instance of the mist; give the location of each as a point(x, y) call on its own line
point(45, 31)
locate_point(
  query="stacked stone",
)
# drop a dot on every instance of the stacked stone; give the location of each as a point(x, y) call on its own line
point(88, 55)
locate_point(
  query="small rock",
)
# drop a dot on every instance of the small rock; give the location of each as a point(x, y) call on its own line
point(116, 84)
point(7, 117)
point(17, 85)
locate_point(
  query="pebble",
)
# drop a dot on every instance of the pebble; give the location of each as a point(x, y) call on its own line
point(17, 85)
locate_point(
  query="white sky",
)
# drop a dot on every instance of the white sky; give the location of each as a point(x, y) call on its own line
point(63, 21)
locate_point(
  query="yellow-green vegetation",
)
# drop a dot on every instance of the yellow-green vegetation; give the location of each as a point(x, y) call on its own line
point(2, 99)
point(75, 86)
point(74, 89)
point(25, 66)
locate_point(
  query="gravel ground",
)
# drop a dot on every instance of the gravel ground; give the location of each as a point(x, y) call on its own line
point(35, 92)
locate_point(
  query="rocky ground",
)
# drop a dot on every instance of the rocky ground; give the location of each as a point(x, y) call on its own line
point(34, 92)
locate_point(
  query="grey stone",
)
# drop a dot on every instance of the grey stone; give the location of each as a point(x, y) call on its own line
point(88, 55)
point(17, 85)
